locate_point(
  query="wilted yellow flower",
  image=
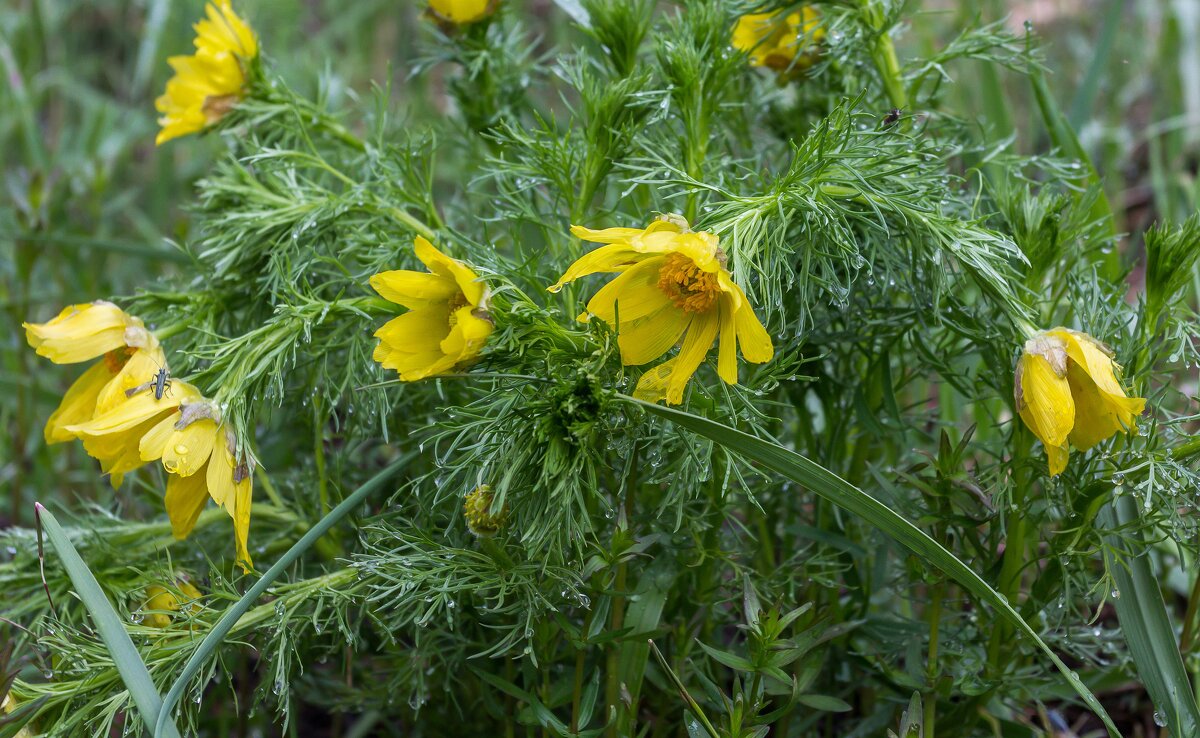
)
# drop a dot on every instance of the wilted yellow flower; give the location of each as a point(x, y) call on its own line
point(167, 601)
point(783, 43)
point(113, 409)
point(131, 357)
point(447, 323)
point(477, 509)
point(85, 331)
point(461, 12)
point(113, 434)
point(200, 454)
point(673, 285)
point(210, 82)
point(1066, 389)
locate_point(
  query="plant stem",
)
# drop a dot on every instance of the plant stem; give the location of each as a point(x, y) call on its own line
point(612, 689)
point(577, 687)
point(1014, 548)
point(883, 52)
point(934, 616)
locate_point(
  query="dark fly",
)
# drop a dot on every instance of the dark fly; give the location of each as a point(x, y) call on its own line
point(892, 118)
point(160, 383)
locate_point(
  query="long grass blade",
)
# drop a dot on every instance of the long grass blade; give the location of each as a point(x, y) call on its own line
point(213, 640)
point(110, 628)
point(830, 486)
point(1147, 629)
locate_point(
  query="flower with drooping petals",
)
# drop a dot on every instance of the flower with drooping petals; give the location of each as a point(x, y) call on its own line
point(200, 454)
point(673, 286)
point(1066, 390)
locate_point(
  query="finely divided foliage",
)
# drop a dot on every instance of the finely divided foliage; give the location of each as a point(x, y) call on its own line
point(873, 319)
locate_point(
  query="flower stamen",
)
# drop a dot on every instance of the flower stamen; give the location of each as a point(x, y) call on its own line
point(689, 287)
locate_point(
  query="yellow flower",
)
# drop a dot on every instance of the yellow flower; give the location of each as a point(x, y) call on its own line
point(462, 12)
point(113, 410)
point(166, 601)
point(477, 509)
point(200, 454)
point(447, 323)
point(210, 82)
point(114, 433)
point(1066, 389)
point(131, 357)
point(673, 284)
point(85, 331)
point(785, 43)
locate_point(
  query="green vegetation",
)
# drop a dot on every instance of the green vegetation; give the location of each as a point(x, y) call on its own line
point(859, 538)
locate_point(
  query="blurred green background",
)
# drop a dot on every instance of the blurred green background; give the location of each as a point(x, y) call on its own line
point(91, 208)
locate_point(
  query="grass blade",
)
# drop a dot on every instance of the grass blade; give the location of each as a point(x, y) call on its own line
point(110, 628)
point(215, 636)
point(1147, 629)
point(830, 486)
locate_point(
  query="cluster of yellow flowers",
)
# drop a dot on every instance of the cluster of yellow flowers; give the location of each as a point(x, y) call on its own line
point(673, 288)
point(210, 83)
point(127, 413)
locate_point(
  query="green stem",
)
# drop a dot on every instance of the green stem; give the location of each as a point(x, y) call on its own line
point(577, 687)
point(883, 52)
point(934, 616)
point(341, 133)
point(1014, 548)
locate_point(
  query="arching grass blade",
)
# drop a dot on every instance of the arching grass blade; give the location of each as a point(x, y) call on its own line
point(825, 483)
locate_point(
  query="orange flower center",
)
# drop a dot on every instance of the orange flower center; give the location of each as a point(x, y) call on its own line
point(689, 287)
point(115, 360)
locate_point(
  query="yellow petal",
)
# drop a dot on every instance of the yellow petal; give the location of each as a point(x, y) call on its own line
point(221, 467)
point(417, 331)
point(413, 289)
point(78, 404)
point(1045, 401)
point(753, 338)
point(645, 340)
point(699, 339)
point(1056, 457)
point(189, 448)
point(136, 410)
point(467, 337)
point(154, 442)
point(615, 257)
point(244, 494)
point(466, 280)
point(184, 501)
point(1099, 415)
point(606, 235)
point(633, 295)
point(139, 370)
point(461, 11)
point(80, 332)
point(727, 366)
point(652, 387)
